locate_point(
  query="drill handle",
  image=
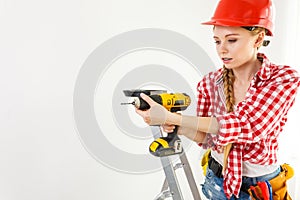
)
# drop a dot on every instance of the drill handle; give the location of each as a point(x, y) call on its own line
point(173, 134)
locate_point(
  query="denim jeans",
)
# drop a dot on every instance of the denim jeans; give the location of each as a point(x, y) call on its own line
point(213, 186)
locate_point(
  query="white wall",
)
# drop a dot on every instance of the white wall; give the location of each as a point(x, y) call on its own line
point(43, 47)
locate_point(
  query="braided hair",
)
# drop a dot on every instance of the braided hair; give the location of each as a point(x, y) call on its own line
point(228, 79)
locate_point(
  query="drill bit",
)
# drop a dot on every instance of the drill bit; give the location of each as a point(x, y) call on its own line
point(132, 103)
point(136, 102)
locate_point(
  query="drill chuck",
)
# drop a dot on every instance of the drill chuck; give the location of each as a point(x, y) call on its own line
point(143, 105)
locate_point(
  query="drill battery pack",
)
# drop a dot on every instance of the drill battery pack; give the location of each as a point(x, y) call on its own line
point(166, 146)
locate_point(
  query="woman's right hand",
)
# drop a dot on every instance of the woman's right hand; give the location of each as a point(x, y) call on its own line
point(156, 114)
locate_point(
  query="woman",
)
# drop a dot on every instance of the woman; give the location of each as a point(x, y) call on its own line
point(244, 103)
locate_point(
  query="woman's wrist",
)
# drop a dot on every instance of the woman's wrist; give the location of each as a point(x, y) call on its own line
point(174, 118)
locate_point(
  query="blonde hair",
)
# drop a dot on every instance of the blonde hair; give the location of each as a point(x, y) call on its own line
point(254, 30)
point(228, 79)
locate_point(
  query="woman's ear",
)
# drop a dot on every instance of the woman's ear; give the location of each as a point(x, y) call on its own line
point(260, 39)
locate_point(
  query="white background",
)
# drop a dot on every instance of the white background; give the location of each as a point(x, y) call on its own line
point(43, 45)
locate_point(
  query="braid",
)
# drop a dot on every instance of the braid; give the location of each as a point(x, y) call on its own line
point(228, 79)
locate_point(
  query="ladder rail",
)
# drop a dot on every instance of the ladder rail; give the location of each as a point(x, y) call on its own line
point(190, 177)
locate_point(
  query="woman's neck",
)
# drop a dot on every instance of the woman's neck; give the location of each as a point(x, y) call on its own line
point(245, 73)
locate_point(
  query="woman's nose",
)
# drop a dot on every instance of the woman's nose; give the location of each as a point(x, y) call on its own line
point(223, 48)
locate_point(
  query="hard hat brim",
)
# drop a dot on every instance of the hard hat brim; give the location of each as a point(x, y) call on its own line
point(227, 22)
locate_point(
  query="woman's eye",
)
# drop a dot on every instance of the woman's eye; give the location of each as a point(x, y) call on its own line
point(232, 40)
point(217, 42)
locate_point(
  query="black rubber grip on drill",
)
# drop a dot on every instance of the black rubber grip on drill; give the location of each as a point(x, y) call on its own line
point(145, 106)
point(172, 135)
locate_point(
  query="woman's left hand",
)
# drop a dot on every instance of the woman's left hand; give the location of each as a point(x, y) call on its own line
point(156, 114)
point(168, 128)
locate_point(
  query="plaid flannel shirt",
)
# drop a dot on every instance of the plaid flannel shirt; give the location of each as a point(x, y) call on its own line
point(253, 127)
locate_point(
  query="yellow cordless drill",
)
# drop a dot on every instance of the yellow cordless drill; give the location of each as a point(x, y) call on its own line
point(173, 102)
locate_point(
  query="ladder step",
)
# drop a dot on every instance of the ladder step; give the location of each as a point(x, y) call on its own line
point(163, 195)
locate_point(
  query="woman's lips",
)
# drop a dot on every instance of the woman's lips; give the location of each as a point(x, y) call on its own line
point(226, 60)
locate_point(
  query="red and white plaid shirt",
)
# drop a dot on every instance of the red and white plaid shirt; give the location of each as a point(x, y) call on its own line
point(253, 127)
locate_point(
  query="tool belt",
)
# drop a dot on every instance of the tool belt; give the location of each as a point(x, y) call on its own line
point(278, 188)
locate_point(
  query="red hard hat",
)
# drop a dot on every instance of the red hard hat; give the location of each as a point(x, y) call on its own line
point(244, 13)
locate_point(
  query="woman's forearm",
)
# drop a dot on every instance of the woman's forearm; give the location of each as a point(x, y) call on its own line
point(198, 124)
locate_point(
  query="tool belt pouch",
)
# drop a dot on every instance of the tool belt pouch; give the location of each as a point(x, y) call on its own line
point(204, 161)
point(278, 184)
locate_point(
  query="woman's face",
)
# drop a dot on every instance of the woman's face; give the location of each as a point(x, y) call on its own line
point(235, 46)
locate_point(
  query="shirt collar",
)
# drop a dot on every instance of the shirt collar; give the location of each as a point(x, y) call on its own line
point(264, 73)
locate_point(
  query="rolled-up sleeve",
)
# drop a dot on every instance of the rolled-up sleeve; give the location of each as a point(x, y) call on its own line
point(231, 126)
